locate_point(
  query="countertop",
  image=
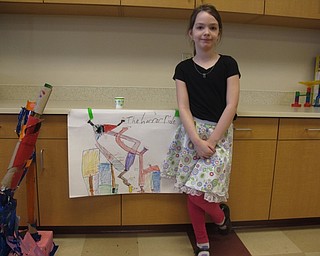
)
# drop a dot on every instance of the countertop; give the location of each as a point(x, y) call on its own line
point(261, 110)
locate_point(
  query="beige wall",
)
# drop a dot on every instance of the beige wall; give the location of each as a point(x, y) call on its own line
point(121, 52)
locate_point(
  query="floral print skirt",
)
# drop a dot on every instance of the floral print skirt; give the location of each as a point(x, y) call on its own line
point(197, 176)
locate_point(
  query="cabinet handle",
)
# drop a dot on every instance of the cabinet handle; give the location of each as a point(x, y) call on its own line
point(243, 129)
point(312, 129)
point(41, 160)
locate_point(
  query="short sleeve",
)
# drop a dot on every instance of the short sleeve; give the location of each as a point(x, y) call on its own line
point(179, 72)
point(233, 68)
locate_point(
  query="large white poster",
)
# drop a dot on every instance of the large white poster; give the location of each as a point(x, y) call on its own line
point(118, 151)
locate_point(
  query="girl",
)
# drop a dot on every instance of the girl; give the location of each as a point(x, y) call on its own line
point(199, 157)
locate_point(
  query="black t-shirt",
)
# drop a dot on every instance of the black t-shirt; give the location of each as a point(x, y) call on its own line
point(207, 96)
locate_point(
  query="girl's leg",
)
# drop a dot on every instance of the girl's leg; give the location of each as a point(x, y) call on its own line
point(219, 213)
point(211, 208)
point(197, 217)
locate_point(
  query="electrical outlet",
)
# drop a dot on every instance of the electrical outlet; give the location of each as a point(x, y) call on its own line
point(186, 55)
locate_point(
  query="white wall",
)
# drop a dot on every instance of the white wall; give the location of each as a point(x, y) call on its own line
point(107, 51)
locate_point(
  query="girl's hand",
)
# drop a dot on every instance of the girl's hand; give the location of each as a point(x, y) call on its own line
point(204, 149)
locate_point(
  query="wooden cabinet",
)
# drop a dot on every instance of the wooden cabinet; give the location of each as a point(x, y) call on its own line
point(236, 6)
point(55, 206)
point(275, 175)
point(237, 11)
point(62, 7)
point(252, 168)
point(290, 13)
point(178, 4)
point(296, 189)
point(293, 8)
point(8, 141)
point(165, 9)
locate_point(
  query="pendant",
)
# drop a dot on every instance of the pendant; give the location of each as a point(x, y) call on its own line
point(204, 75)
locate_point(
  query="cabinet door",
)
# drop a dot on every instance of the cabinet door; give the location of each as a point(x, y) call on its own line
point(22, 1)
point(150, 209)
point(251, 179)
point(184, 4)
point(296, 189)
point(247, 6)
point(6, 151)
point(8, 124)
point(293, 8)
point(88, 2)
point(55, 206)
point(53, 127)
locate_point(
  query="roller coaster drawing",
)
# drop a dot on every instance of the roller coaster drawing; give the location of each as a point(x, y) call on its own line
point(102, 177)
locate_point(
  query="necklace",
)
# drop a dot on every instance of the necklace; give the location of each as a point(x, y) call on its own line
point(204, 75)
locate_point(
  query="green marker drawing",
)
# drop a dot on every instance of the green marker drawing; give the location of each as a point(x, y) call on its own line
point(90, 113)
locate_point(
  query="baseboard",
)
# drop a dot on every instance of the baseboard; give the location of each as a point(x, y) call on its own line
point(237, 225)
point(276, 223)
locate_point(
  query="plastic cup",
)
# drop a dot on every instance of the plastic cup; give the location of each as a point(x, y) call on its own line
point(119, 102)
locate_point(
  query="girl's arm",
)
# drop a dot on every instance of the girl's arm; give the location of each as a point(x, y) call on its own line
point(233, 91)
point(203, 147)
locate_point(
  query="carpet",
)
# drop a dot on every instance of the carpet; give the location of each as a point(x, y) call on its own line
point(229, 245)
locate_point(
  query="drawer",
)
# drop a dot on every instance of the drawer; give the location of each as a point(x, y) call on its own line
point(54, 127)
point(8, 124)
point(255, 128)
point(299, 128)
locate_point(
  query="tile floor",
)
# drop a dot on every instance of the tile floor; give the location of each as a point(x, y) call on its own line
point(302, 241)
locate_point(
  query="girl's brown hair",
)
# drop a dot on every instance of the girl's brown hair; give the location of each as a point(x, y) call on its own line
point(205, 8)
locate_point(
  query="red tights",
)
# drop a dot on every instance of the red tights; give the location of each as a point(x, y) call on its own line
point(198, 207)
